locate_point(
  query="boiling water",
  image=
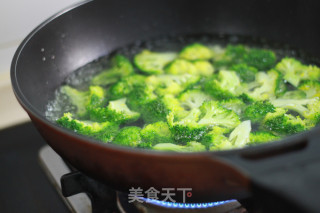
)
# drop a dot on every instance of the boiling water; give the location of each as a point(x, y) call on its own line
point(80, 78)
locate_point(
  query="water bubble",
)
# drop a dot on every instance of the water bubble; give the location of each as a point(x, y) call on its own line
point(42, 49)
point(43, 58)
point(53, 57)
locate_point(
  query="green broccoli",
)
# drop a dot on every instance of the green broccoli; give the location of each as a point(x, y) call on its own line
point(264, 87)
point(224, 85)
point(204, 68)
point(152, 108)
point(215, 139)
point(308, 108)
point(245, 72)
point(171, 84)
point(117, 111)
point(189, 147)
point(281, 123)
point(260, 59)
point(258, 110)
point(185, 106)
point(312, 115)
point(120, 67)
point(123, 87)
point(234, 104)
point(155, 133)
point(311, 89)
point(239, 137)
point(128, 136)
point(232, 54)
point(153, 62)
point(187, 128)
point(181, 66)
point(77, 98)
point(294, 71)
point(193, 99)
point(294, 94)
point(218, 52)
point(259, 137)
point(213, 114)
point(102, 131)
point(139, 96)
point(196, 51)
point(97, 96)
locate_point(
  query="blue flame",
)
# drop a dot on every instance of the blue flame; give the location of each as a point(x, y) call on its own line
point(186, 205)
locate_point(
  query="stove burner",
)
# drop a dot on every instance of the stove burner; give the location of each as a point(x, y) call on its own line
point(187, 205)
point(83, 194)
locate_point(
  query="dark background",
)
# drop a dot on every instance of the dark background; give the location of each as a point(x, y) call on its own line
point(23, 185)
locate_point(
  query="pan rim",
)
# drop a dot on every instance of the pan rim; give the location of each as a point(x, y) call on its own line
point(30, 109)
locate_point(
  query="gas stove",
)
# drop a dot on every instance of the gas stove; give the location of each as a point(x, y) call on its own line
point(84, 194)
point(35, 179)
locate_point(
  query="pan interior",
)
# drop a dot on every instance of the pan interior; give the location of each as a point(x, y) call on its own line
point(81, 78)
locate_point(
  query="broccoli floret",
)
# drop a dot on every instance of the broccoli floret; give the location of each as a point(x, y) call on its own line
point(265, 85)
point(157, 109)
point(299, 106)
point(128, 136)
point(189, 147)
point(245, 72)
point(193, 99)
point(117, 111)
point(172, 104)
point(308, 108)
point(234, 104)
point(221, 142)
point(97, 96)
point(311, 89)
point(260, 137)
point(239, 137)
point(213, 114)
point(125, 86)
point(186, 129)
point(83, 100)
point(196, 51)
point(155, 133)
point(77, 98)
point(260, 58)
point(218, 52)
point(102, 131)
point(139, 96)
point(181, 66)
point(120, 67)
point(235, 53)
point(294, 71)
point(153, 62)
point(215, 139)
point(171, 84)
point(294, 94)
point(312, 114)
point(224, 85)
point(258, 110)
point(204, 68)
point(280, 123)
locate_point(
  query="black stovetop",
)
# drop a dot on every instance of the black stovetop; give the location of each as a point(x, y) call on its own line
point(24, 186)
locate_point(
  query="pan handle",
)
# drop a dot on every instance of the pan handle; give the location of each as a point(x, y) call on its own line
point(284, 178)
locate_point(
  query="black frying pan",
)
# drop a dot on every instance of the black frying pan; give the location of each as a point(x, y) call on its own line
point(283, 174)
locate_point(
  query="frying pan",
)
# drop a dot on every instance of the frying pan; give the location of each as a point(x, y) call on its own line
point(284, 174)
